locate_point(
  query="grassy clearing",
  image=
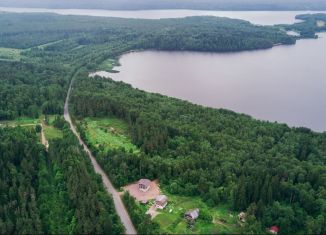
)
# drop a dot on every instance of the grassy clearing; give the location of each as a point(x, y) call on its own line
point(23, 121)
point(171, 218)
point(10, 54)
point(108, 65)
point(108, 132)
point(52, 133)
point(320, 23)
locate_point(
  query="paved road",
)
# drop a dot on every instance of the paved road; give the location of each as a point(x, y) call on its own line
point(120, 208)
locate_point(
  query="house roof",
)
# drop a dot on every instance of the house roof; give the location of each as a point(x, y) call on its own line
point(161, 198)
point(193, 213)
point(274, 229)
point(145, 182)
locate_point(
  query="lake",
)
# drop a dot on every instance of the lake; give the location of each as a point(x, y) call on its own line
point(256, 17)
point(284, 84)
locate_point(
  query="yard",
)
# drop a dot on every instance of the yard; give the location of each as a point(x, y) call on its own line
point(109, 133)
point(171, 218)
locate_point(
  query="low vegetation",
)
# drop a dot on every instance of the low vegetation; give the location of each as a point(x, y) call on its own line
point(10, 54)
point(212, 220)
point(107, 134)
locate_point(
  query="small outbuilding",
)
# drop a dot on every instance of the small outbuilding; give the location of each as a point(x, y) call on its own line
point(192, 215)
point(242, 217)
point(274, 230)
point(161, 201)
point(144, 185)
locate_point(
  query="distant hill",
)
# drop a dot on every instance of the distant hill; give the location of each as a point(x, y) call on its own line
point(172, 4)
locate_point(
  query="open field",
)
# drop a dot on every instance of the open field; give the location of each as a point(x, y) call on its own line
point(23, 121)
point(10, 54)
point(109, 133)
point(320, 23)
point(52, 133)
point(171, 218)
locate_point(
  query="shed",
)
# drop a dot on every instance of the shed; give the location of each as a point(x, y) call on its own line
point(192, 215)
point(242, 217)
point(161, 201)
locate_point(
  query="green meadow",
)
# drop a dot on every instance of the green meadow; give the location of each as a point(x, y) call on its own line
point(10, 54)
point(109, 133)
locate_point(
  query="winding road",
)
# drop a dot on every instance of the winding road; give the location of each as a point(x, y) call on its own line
point(119, 206)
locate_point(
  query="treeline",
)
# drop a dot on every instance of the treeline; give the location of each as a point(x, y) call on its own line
point(194, 33)
point(275, 172)
point(53, 193)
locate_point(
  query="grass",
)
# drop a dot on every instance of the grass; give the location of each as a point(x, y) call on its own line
point(110, 133)
point(320, 23)
point(22, 121)
point(9, 54)
point(171, 218)
point(52, 133)
point(108, 65)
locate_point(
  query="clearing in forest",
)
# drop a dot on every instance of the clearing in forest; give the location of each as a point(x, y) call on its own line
point(320, 23)
point(108, 133)
point(140, 196)
point(212, 220)
point(9, 54)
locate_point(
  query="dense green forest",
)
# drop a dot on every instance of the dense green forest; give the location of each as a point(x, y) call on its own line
point(231, 5)
point(276, 173)
point(50, 47)
point(53, 193)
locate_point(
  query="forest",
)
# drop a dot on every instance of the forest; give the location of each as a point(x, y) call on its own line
point(275, 173)
point(53, 193)
point(217, 155)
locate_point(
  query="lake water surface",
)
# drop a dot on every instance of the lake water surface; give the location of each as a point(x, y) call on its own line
point(256, 17)
point(285, 84)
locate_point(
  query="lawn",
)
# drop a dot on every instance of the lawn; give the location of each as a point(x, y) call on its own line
point(9, 54)
point(171, 218)
point(108, 132)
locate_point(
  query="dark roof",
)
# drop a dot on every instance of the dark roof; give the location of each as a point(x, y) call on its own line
point(145, 182)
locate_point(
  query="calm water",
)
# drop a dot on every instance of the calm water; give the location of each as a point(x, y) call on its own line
point(256, 17)
point(285, 84)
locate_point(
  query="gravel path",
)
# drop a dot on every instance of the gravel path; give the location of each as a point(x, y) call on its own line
point(119, 206)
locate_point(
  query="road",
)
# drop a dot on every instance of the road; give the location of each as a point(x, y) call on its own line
point(119, 206)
